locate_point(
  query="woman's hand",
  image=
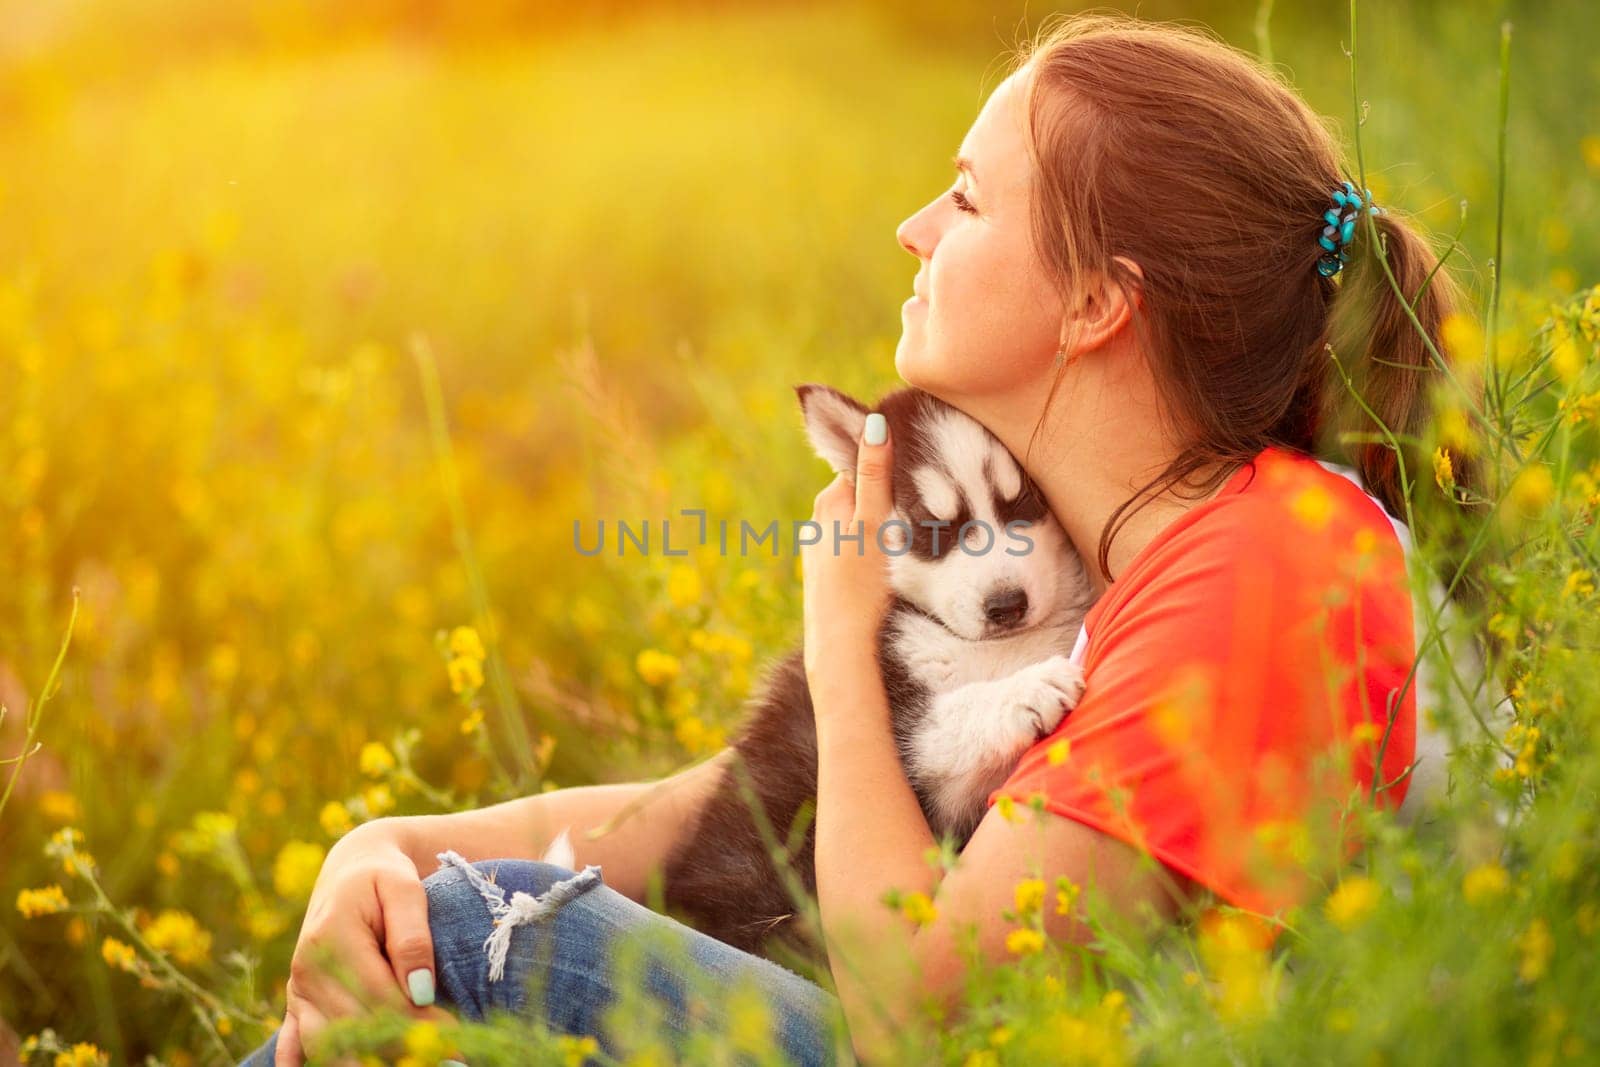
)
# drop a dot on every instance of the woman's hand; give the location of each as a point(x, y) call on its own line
point(368, 915)
point(846, 583)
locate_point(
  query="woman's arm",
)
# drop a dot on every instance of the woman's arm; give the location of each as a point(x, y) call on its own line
point(884, 968)
point(649, 819)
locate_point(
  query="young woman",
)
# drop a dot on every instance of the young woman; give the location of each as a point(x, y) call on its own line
point(1150, 280)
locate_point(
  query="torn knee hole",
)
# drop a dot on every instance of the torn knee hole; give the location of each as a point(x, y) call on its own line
point(521, 909)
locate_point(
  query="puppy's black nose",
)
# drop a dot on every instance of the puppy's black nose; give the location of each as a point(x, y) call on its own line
point(1006, 608)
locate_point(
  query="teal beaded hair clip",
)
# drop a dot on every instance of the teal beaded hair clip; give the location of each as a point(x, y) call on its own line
point(1341, 228)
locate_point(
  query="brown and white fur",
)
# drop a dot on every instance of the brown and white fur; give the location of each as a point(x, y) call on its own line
point(973, 651)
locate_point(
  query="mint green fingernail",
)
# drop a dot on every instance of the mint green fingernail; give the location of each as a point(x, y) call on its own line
point(877, 429)
point(420, 982)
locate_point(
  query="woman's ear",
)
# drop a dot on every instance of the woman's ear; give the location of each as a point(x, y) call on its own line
point(1105, 306)
point(1137, 284)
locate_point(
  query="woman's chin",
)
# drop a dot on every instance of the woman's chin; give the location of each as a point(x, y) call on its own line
point(907, 361)
point(917, 364)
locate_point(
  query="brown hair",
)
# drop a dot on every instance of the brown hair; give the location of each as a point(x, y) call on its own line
point(1167, 146)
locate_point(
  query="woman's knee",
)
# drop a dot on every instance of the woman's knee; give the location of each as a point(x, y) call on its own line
point(495, 923)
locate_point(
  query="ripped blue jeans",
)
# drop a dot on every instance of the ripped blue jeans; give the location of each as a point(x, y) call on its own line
point(565, 931)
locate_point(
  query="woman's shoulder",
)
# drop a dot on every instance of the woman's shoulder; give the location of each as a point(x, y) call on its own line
point(1283, 521)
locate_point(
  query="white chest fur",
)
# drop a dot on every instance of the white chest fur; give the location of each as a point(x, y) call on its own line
point(989, 701)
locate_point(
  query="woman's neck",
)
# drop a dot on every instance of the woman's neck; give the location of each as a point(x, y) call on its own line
point(1085, 503)
point(1101, 444)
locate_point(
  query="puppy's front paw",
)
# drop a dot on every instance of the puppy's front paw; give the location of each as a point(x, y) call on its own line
point(1044, 693)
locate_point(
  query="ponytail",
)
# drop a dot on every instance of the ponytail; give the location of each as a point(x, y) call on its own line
point(1393, 377)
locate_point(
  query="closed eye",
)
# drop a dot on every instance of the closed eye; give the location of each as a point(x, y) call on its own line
point(962, 203)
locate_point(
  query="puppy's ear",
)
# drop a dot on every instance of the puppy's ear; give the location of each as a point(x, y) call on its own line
point(834, 422)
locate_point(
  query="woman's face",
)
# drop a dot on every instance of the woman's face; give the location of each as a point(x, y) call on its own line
point(984, 318)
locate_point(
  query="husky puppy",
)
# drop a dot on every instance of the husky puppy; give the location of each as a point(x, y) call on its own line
point(973, 651)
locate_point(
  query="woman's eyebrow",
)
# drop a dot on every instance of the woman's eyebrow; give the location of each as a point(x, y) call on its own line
point(965, 164)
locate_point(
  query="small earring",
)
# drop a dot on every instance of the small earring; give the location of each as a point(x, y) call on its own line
point(1061, 355)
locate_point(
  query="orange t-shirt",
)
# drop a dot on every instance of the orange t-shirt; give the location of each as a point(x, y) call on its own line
point(1240, 675)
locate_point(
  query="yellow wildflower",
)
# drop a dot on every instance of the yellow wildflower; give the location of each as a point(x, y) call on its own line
point(472, 722)
point(1066, 895)
point(376, 760)
point(690, 732)
point(294, 872)
point(59, 806)
point(1533, 489)
point(749, 1021)
point(576, 1050)
point(66, 845)
point(657, 667)
point(1313, 507)
point(1234, 950)
point(1536, 946)
point(1463, 340)
point(335, 819)
point(466, 674)
point(1024, 942)
point(1565, 359)
point(1454, 429)
point(918, 908)
point(83, 1054)
point(1580, 409)
point(1096, 1038)
point(263, 920)
point(1589, 320)
point(1350, 904)
point(1580, 583)
point(1366, 732)
point(1444, 472)
point(48, 900)
point(1029, 895)
point(180, 935)
point(1590, 147)
point(1113, 1008)
point(1485, 883)
point(465, 643)
point(681, 702)
point(119, 955)
point(426, 1042)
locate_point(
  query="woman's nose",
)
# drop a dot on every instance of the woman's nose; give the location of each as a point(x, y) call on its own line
point(902, 234)
point(915, 234)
